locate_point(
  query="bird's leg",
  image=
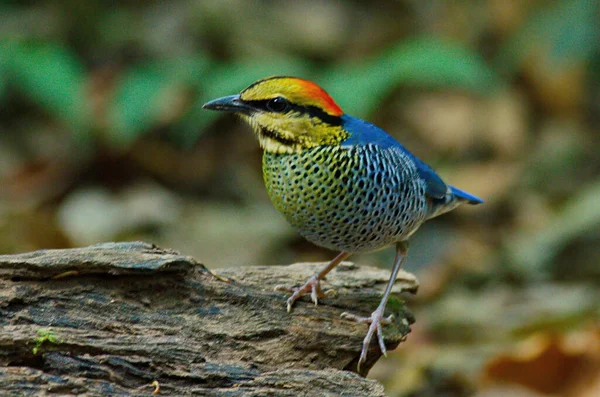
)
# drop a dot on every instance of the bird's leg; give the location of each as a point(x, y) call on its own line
point(312, 285)
point(377, 319)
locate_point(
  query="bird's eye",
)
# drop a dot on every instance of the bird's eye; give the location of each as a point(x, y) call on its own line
point(278, 104)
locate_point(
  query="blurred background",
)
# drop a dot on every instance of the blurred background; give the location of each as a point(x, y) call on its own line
point(102, 138)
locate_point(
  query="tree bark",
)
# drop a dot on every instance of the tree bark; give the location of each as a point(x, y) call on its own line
point(112, 319)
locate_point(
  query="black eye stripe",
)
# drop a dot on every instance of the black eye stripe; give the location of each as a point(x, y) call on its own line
point(264, 104)
point(312, 111)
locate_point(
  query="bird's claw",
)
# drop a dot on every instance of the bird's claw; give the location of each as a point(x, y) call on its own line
point(375, 321)
point(312, 285)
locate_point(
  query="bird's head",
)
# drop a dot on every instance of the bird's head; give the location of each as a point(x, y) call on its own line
point(287, 114)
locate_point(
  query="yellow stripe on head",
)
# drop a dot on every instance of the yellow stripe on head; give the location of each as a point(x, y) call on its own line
point(297, 91)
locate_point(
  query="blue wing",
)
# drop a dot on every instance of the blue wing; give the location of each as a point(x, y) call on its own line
point(362, 133)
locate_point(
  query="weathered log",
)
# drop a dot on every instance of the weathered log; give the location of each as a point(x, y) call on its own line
point(113, 318)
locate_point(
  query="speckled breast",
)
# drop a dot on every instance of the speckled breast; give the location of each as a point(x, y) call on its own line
point(356, 198)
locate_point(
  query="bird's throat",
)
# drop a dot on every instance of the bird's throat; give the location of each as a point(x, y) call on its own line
point(293, 134)
point(273, 142)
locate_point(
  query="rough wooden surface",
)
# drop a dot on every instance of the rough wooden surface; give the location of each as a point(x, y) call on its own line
point(113, 318)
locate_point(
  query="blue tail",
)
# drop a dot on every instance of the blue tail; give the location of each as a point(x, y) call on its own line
point(465, 196)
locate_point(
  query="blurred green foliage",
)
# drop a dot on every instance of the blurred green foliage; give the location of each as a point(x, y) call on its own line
point(426, 62)
point(567, 30)
point(53, 77)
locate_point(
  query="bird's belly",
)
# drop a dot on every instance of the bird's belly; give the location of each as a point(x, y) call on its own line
point(340, 201)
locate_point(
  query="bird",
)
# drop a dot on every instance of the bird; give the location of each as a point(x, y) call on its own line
point(341, 182)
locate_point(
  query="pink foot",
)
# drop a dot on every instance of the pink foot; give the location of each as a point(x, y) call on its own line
point(312, 285)
point(376, 321)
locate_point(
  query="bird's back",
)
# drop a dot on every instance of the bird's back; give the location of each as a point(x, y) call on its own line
point(441, 197)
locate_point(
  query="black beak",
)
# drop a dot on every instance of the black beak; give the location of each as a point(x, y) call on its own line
point(231, 103)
